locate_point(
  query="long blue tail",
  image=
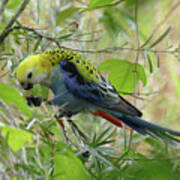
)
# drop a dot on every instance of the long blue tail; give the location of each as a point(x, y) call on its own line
point(147, 128)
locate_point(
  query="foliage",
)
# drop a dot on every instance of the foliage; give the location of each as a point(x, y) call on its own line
point(16, 138)
point(71, 166)
point(133, 44)
point(122, 71)
point(97, 3)
point(11, 96)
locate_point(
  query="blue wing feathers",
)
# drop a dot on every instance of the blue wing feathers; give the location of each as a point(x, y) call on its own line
point(96, 93)
point(77, 85)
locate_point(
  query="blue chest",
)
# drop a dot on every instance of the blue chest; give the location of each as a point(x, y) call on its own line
point(63, 97)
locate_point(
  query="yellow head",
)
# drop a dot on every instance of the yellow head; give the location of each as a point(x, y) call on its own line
point(34, 69)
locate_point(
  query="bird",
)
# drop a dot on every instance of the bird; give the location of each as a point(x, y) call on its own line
point(79, 86)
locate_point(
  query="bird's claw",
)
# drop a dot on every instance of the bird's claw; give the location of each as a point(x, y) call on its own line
point(34, 101)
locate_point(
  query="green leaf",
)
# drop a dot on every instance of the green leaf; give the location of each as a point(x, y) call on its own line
point(147, 41)
point(16, 138)
point(130, 2)
point(67, 165)
point(18, 42)
point(122, 74)
point(7, 54)
point(97, 3)
point(65, 36)
point(158, 61)
point(3, 58)
point(63, 15)
point(100, 140)
point(161, 37)
point(12, 4)
point(38, 42)
point(10, 95)
point(39, 90)
point(150, 63)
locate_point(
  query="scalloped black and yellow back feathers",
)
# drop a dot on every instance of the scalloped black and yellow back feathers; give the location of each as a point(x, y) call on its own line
point(84, 66)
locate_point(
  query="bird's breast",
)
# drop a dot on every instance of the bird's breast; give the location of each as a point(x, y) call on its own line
point(63, 97)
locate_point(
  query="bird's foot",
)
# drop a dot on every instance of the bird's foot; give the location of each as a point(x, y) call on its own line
point(34, 101)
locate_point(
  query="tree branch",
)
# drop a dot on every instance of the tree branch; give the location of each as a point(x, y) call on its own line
point(13, 19)
point(39, 35)
point(112, 50)
point(105, 50)
point(138, 47)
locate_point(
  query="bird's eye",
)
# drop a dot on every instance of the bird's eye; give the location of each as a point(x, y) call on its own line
point(29, 76)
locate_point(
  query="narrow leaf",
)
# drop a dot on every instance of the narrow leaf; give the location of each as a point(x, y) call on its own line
point(97, 3)
point(158, 61)
point(150, 64)
point(147, 41)
point(3, 58)
point(100, 137)
point(65, 36)
point(7, 54)
point(161, 37)
point(38, 42)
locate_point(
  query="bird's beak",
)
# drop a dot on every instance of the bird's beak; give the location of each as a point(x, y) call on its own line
point(27, 86)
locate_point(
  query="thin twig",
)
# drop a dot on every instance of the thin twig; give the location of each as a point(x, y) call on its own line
point(9, 115)
point(88, 33)
point(2, 8)
point(39, 35)
point(4, 74)
point(105, 50)
point(80, 40)
point(13, 19)
point(140, 94)
point(114, 49)
point(60, 121)
point(138, 47)
point(130, 139)
point(76, 128)
point(137, 59)
point(138, 98)
point(38, 11)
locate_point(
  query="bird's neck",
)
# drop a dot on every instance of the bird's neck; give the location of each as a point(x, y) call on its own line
point(56, 82)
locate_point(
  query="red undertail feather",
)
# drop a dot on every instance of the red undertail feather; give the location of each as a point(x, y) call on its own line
point(108, 117)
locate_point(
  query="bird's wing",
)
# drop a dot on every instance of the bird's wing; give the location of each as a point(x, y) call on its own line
point(97, 91)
